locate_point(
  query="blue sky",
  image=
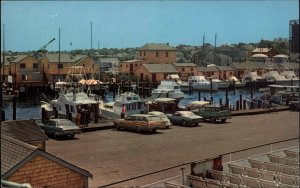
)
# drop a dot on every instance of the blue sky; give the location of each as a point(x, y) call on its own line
point(120, 24)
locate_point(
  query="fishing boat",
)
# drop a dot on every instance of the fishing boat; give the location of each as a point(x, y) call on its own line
point(127, 103)
point(234, 81)
point(71, 101)
point(184, 86)
point(222, 84)
point(168, 89)
point(201, 83)
point(274, 77)
point(291, 76)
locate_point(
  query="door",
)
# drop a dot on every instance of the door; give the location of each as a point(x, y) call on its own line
point(153, 77)
point(142, 77)
point(131, 68)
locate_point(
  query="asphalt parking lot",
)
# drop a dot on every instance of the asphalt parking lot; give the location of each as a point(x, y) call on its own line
point(112, 155)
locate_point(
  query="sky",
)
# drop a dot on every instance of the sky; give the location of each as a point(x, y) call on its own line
point(28, 25)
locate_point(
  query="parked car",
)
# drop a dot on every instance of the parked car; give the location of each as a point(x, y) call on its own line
point(140, 122)
point(214, 113)
point(162, 117)
point(294, 105)
point(60, 127)
point(185, 118)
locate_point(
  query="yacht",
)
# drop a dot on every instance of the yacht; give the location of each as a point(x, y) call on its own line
point(128, 103)
point(201, 83)
point(275, 77)
point(251, 77)
point(168, 89)
point(234, 81)
point(184, 86)
point(290, 75)
point(72, 100)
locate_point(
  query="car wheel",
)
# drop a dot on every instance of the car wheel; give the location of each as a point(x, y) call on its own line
point(223, 120)
point(213, 120)
point(183, 123)
point(154, 130)
point(72, 136)
point(138, 129)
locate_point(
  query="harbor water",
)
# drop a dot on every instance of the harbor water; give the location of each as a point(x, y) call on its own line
point(28, 109)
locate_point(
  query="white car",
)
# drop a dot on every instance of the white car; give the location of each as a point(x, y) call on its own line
point(162, 117)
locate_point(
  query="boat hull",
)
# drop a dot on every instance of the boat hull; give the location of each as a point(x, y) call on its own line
point(205, 87)
point(172, 95)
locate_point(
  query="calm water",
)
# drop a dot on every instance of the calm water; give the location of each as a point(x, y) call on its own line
point(27, 109)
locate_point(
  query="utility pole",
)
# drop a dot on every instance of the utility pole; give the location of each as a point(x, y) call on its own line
point(91, 35)
point(3, 59)
point(59, 65)
point(98, 45)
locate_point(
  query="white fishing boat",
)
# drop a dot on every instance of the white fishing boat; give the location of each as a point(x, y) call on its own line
point(291, 76)
point(274, 77)
point(201, 83)
point(184, 86)
point(128, 103)
point(168, 89)
point(73, 101)
point(251, 76)
point(234, 81)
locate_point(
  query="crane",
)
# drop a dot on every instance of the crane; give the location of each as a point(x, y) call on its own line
point(42, 49)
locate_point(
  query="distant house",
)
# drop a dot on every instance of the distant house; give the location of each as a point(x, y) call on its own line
point(109, 65)
point(261, 68)
point(217, 59)
point(157, 53)
point(130, 66)
point(155, 72)
point(25, 130)
point(6, 69)
point(24, 163)
point(186, 70)
point(270, 52)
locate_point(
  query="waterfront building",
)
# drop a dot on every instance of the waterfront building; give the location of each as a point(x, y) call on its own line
point(109, 65)
point(157, 53)
point(225, 72)
point(130, 66)
point(155, 72)
point(209, 71)
point(186, 70)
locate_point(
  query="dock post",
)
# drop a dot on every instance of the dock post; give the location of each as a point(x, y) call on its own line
point(237, 105)
point(211, 86)
point(226, 98)
point(204, 98)
point(234, 87)
point(2, 115)
point(244, 104)
point(199, 95)
point(14, 108)
point(43, 115)
point(227, 102)
point(211, 100)
point(241, 101)
point(220, 101)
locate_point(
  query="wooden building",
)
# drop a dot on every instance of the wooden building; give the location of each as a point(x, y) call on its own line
point(157, 53)
point(24, 163)
point(155, 72)
point(186, 70)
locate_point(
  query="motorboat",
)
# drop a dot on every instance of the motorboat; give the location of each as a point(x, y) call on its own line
point(234, 81)
point(291, 76)
point(201, 83)
point(274, 77)
point(128, 103)
point(251, 76)
point(184, 86)
point(168, 89)
point(222, 84)
point(72, 101)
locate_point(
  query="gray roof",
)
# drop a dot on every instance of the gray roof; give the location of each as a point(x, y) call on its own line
point(253, 65)
point(18, 58)
point(7, 59)
point(157, 46)
point(64, 58)
point(109, 60)
point(160, 68)
point(25, 130)
point(225, 68)
point(185, 64)
point(15, 154)
point(208, 69)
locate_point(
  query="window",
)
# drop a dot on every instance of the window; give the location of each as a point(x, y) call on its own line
point(183, 69)
point(35, 65)
point(24, 77)
point(144, 53)
point(156, 54)
point(22, 66)
point(167, 54)
point(140, 53)
point(135, 65)
point(60, 66)
point(192, 69)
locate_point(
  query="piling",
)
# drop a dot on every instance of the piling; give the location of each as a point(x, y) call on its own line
point(244, 104)
point(199, 95)
point(211, 100)
point(241, 101)
point(220, 102)
point(234, 87)
point(227, 102)
point(43, 115)
point(211, 86)
point(237, 105)
point(14, 108)
point(226, 98)
point(2, 115)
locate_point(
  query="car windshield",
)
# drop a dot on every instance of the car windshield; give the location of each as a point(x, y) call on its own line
point(65, 123)
point(154, 118)
point(187, 114)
